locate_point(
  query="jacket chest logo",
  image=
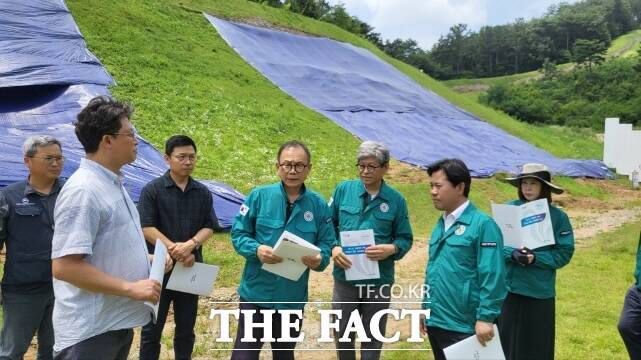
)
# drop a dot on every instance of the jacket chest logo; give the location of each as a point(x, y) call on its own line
point(384, 207)
point(308, 216)
point(460, 230)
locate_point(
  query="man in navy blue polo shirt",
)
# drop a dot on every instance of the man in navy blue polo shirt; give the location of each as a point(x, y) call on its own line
point(177, 210)
point(26, 229)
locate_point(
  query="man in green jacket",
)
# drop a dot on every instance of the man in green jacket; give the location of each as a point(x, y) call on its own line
point(364, 204)
point(465, 274)
point(267, 212)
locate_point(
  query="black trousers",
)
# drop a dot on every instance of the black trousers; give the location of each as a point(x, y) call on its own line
point(185, 311)
point(348, 298)
point(630, 322)
point(526, 326)
point(251, 350)
point(112, 345)
point(441, 338)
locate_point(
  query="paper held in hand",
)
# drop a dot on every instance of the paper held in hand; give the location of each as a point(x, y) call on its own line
point(157, 272)
point(198, 279)
point(527, 225)
point(472, 349)
point(354, 244)
point(291, 248)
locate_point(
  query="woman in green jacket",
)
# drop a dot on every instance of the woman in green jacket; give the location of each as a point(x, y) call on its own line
point(526, 323)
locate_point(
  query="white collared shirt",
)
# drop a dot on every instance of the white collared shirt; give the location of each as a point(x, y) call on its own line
point(450, 219)
point(95, 217)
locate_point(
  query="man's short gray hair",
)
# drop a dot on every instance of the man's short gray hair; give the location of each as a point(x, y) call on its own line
point(31, 145)
point(373, 149)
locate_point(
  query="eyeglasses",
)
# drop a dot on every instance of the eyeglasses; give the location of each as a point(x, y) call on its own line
point(50, 159)
point(131, 134)
point(298, 167)
point(367, 168)
point(183, 158)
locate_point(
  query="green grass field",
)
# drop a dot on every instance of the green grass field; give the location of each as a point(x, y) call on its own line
point(590, 293)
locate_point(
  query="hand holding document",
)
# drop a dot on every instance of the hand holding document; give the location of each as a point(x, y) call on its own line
point(354, 244)
point(527, 225)
point(197, 279)
point(471, 349)
point(157, 272)
point(291, 248)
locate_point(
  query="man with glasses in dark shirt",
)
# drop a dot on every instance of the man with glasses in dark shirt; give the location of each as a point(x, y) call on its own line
point(26, 228)
point(176, 210)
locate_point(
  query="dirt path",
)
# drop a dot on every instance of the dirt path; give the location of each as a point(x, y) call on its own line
point(588, 223)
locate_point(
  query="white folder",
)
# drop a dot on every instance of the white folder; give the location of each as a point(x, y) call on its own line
point(291, 248)
point(157, 272)
point(198, 279)
point(471, 349)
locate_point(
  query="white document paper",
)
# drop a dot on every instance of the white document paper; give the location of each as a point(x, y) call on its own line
point(527, 225)
point(471, 349)
point(157, 272)
point(291, 248)
point(354, 244)
point(198, 279)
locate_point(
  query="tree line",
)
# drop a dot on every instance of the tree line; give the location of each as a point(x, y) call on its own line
point(498, 50)
point(583, 97)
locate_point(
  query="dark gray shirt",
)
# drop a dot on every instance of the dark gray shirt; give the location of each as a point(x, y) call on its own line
point(49, 203)
point(26, 227)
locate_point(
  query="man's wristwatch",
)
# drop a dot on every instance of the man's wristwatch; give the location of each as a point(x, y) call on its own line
point(196, 242)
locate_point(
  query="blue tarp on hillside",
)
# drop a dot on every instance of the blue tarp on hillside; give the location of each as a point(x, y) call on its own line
point(374, 101)
point(46, 76)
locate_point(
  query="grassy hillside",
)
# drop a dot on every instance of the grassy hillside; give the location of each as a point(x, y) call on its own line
point(507, 79)
point(623, 46)
point(560, 99)
point(171, 63)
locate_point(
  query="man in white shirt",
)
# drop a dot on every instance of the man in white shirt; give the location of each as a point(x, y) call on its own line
point(99, 257)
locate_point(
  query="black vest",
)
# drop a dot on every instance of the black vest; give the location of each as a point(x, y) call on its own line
point(30, 232)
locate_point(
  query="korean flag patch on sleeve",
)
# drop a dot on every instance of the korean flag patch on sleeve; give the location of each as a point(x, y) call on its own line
point(244, 209)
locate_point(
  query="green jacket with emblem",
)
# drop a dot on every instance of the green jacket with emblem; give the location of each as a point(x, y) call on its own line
point(637, 269)
point(465, 274)
point(261, 221)
point(538, 279)
point(386, 214)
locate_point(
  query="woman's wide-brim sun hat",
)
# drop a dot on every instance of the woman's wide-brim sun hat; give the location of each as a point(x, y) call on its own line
point(535, 171)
